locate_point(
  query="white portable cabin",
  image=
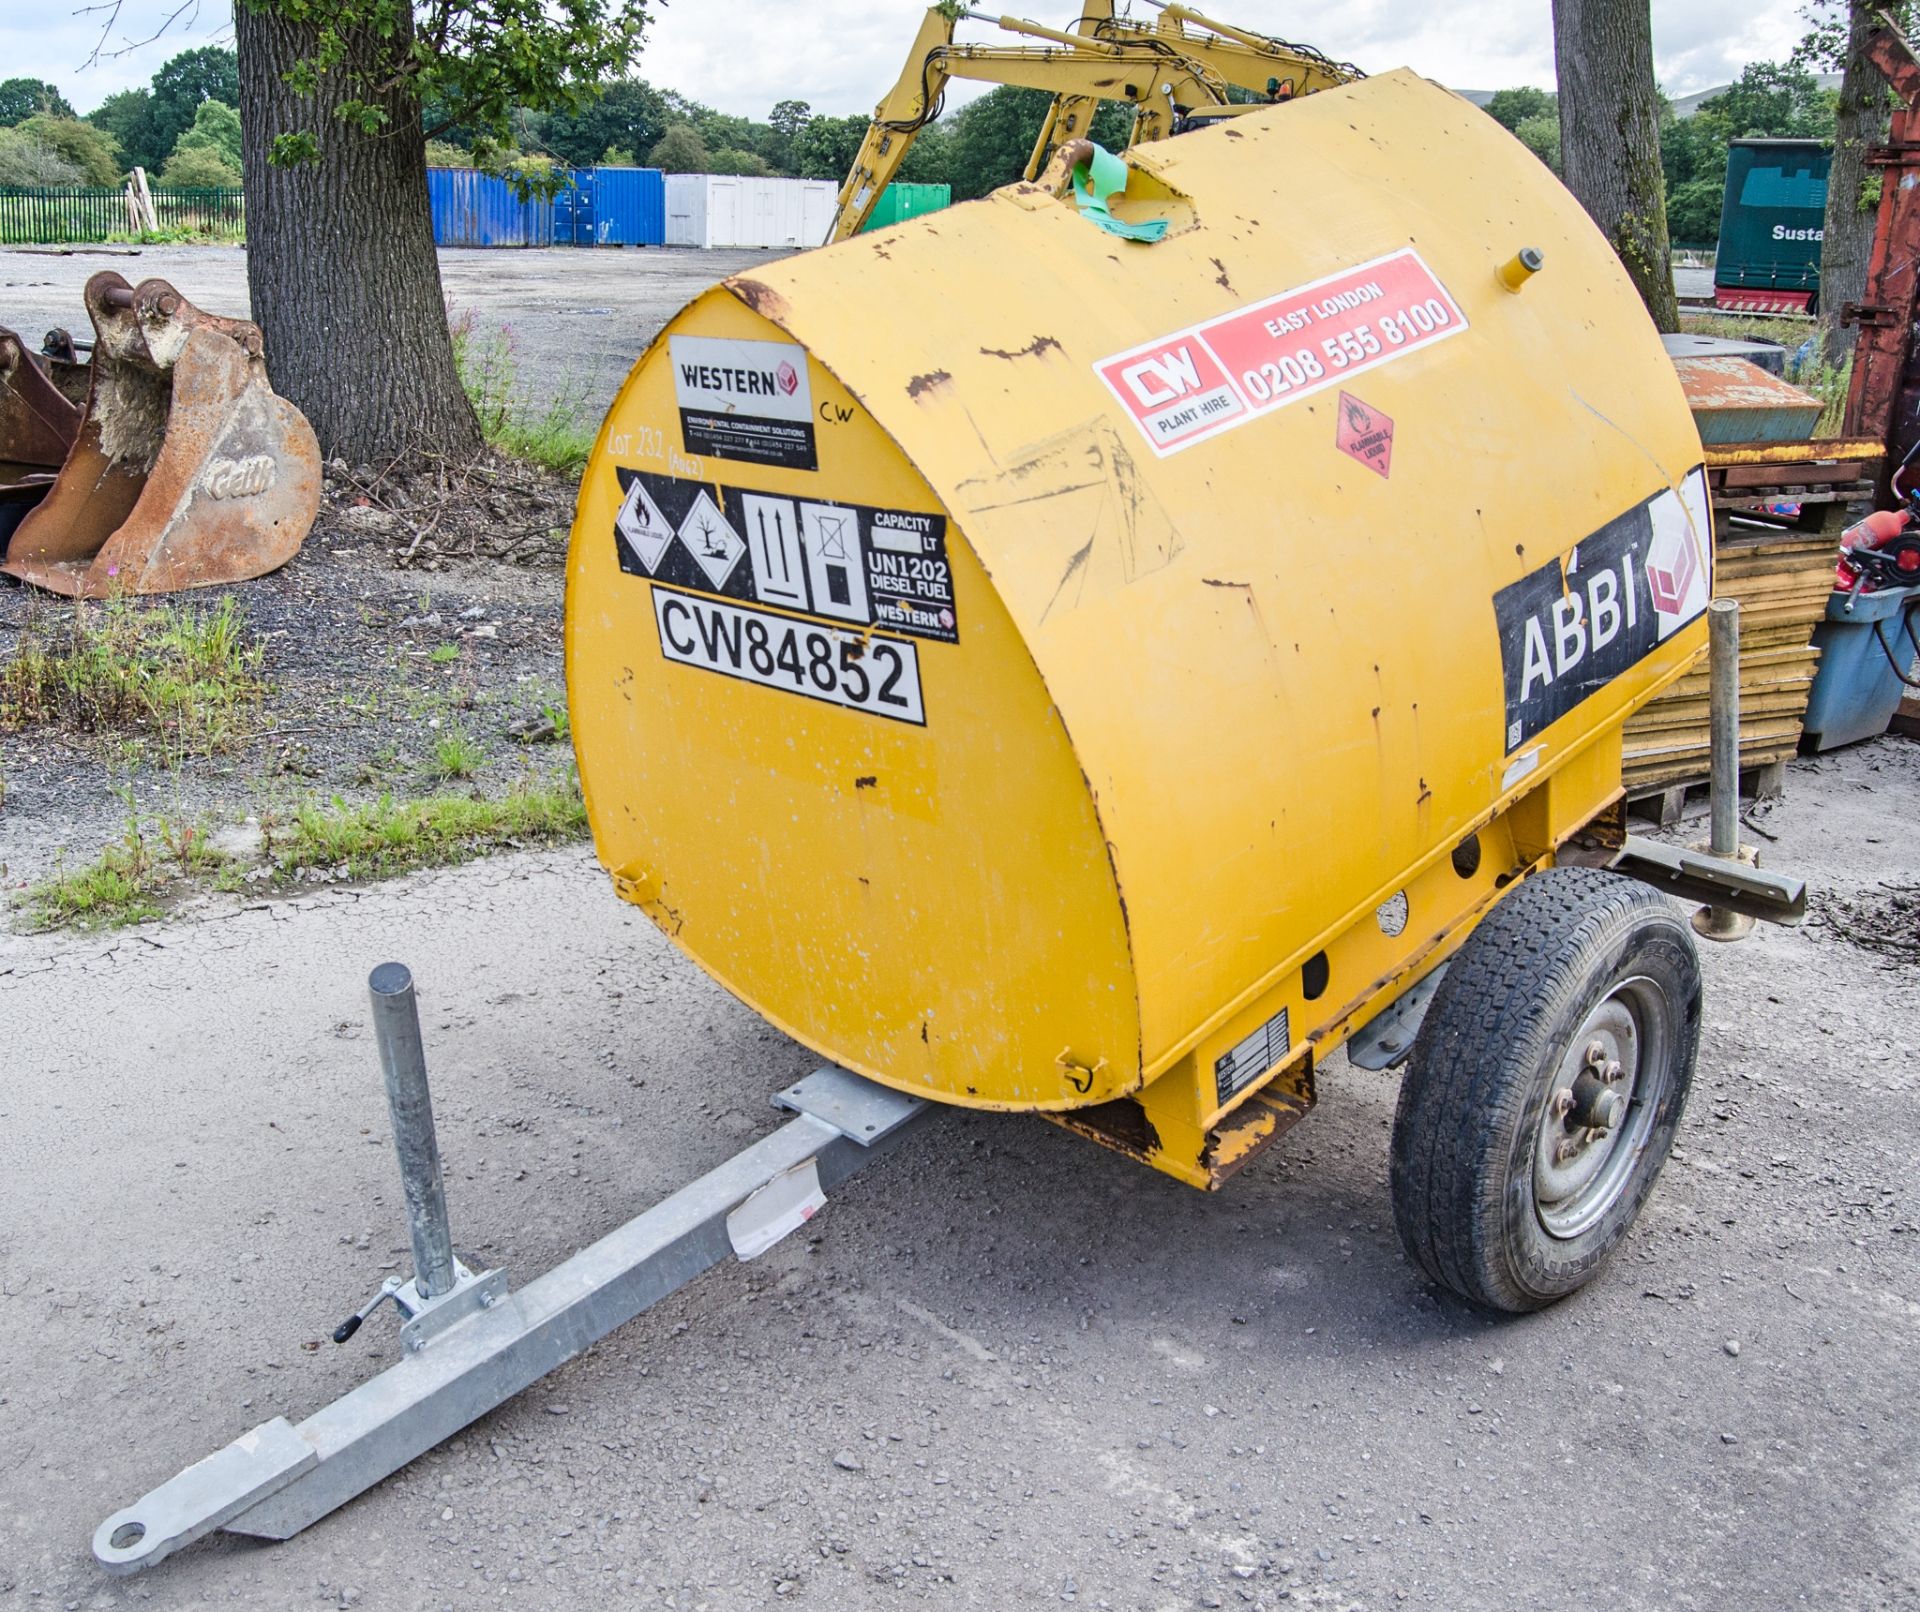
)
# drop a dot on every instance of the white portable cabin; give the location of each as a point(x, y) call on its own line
point(731, 210)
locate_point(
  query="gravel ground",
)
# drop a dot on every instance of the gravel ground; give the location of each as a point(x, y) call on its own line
point(1001, 1369)
point(357, 703)
point(577, 319)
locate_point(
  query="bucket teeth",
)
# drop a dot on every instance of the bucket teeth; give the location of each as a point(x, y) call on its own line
point(184, 470)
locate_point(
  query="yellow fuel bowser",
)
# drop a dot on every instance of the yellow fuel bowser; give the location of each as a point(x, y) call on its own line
point(1040, 666)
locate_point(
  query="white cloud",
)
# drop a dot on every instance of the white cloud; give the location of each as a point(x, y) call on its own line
point(839, 55)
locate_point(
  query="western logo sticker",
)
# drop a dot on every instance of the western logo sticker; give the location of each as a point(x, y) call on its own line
point(744, 399)
point(1579, 621)
point(851, 564)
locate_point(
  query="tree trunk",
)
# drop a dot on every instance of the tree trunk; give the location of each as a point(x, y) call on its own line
point(1610, 137)
point(1860, 119)
point(340, 259)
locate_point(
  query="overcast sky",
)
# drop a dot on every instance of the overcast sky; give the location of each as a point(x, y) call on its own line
point(743, 55)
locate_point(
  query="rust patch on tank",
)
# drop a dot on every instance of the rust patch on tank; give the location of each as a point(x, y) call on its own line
point(760, 297)
point(1033, 349)
point(1221, 279)
point(1122, 1125)
point(920, 385)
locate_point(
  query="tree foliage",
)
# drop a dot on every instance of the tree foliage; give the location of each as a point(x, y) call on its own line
point(627, 113)
point(216, 129)
point(1511, 108)
point(33, 164)
point(92, 151)
point(199, 168)
point(679, 151)
point(473, 63)
point(20, 98)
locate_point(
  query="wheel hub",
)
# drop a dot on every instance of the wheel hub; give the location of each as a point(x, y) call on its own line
point(1595, 1118)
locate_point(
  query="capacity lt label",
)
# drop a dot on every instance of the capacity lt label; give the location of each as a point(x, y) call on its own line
point(1211, 377)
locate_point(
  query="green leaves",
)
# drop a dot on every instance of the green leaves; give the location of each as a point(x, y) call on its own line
point(472, 61)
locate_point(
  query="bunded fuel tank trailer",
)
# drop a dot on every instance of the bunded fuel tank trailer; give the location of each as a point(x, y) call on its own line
point(1045, 671)
point(1049, 671)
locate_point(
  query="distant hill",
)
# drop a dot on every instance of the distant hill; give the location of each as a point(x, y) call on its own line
point(1684, 106)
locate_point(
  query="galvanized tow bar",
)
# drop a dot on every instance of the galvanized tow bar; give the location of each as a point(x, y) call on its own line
point(468, 1343)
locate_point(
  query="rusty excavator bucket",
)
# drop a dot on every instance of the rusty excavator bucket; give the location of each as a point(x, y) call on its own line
point(184, 470)
point(38, 426)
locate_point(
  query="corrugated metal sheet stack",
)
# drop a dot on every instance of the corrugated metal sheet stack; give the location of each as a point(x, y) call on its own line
point(1781, 576)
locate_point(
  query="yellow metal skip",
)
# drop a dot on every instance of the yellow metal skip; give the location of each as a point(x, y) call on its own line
point(1219, 746)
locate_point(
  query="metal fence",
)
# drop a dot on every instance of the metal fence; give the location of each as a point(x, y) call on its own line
point(51, 217)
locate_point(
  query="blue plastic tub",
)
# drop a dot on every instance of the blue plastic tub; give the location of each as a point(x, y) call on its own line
point(1862, 655)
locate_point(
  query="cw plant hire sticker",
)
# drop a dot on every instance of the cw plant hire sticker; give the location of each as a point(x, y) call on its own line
point(1226, 371)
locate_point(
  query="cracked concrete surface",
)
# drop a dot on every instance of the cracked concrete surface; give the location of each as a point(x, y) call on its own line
point(1003, 1368)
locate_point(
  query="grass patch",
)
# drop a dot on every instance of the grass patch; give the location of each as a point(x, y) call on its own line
point(556, 434)
point(444, 654)
point(378, 838)
point(130, 879)
point(1788, 329)
point(190, 674)
point(155, 862)
point(456, 754)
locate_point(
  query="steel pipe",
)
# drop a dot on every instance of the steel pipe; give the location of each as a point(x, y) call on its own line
point(1723, 656)
point(403, 1060)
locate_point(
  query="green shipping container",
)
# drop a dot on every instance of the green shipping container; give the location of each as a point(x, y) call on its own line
point(1771, 226)
point(899, 202)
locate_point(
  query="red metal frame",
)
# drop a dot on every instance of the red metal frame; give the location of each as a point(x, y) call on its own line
point(1885, 390)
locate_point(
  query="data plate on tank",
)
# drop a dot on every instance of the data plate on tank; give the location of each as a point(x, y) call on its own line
point(1251, 1057)
point(880, 676)
point(1571, 627)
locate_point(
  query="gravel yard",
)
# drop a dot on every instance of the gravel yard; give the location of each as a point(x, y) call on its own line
point(1003, 1368)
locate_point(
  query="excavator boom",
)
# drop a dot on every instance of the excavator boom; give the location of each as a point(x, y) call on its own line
point(1184, 64)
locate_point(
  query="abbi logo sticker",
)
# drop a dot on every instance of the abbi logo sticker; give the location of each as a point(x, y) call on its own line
point(1677, 569)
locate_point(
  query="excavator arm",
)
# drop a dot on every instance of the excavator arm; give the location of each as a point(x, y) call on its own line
point(1184, 66)
point(1158, 83)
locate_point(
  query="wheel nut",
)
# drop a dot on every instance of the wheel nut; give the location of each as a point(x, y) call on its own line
point(1560, 1102)
point(1596, 1052)
point(1612, 1072)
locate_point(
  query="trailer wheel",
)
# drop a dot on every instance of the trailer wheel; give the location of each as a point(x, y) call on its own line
point(1544, 1087)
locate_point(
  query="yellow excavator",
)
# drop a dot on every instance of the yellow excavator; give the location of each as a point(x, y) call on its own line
point(1183, 70)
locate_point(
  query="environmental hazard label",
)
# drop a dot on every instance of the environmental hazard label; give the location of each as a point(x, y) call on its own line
point(744, 399)
point(1229, 370)
point(1581, 620)
point(852, 564)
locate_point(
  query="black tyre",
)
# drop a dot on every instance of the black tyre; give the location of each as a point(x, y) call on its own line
point(1543, 1091)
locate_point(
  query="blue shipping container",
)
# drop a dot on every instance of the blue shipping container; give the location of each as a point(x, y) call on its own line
point(573, 211)
point(630, 207)
point(475, 209)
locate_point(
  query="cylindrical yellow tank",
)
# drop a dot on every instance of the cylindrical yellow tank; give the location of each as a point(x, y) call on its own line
point(1026, 664)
